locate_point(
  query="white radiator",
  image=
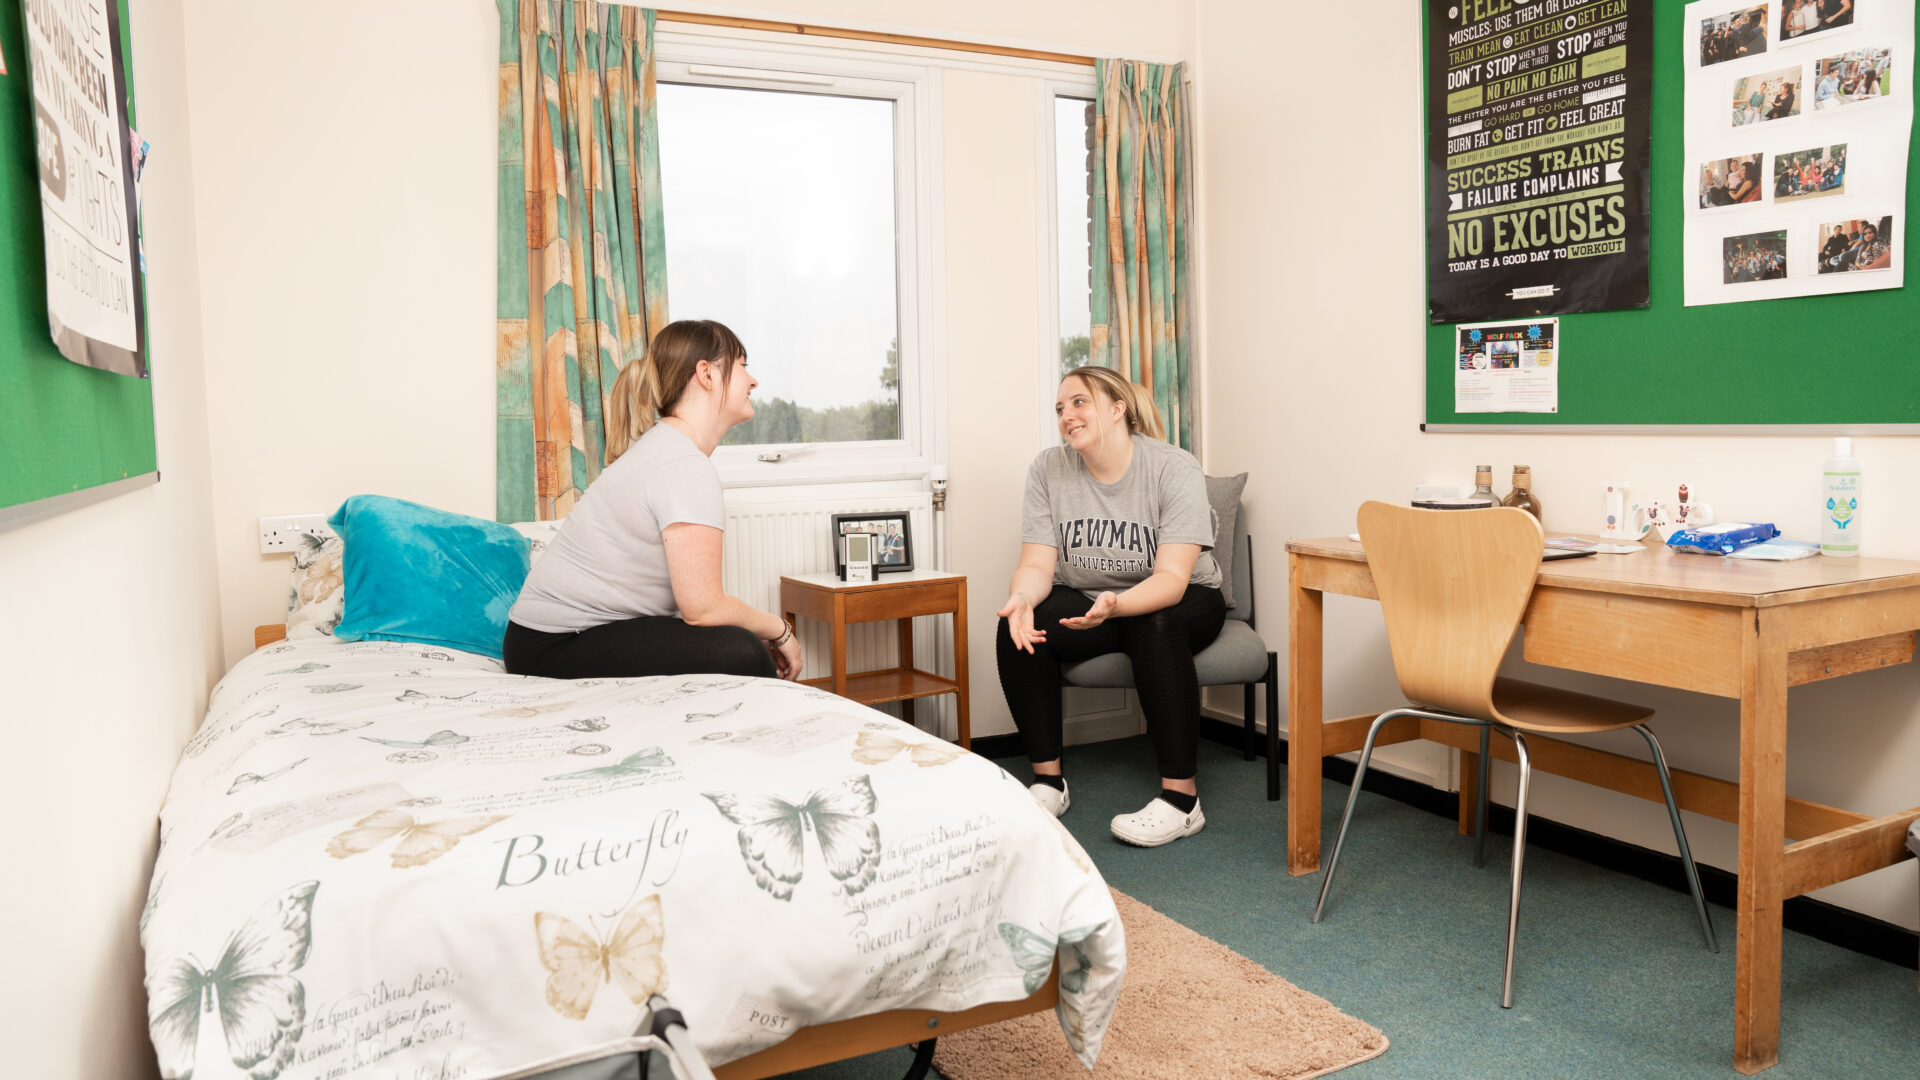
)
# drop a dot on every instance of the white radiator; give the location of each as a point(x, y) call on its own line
point(771, 532)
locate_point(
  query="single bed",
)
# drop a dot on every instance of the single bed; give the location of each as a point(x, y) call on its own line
point(392, 859)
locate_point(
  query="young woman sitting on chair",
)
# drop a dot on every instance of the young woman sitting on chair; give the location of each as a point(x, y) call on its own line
point(1114, 557)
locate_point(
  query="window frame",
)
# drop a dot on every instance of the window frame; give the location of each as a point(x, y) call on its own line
point(696, 59)
point(1047, 93)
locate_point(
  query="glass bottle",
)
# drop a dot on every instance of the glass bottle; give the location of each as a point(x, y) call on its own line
point(1483, 485)
point(1522, 494)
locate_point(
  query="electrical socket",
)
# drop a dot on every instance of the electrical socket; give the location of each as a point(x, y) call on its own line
point(283, 533)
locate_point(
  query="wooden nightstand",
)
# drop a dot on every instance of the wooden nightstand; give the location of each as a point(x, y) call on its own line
point(893, 596)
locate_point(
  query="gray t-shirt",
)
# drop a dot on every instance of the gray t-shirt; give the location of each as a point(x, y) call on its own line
point(608, 562)
point(1108, 535)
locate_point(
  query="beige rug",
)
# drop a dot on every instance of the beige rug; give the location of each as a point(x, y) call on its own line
point(1190, 1007)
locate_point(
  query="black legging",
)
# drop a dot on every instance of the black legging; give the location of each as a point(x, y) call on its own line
point(651, 645)
point(1161, 645)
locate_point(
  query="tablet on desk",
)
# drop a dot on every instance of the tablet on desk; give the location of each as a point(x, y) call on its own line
point(1551, 554)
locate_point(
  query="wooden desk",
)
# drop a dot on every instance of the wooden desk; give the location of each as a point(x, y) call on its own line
point(890, 596)
point(1732, 628)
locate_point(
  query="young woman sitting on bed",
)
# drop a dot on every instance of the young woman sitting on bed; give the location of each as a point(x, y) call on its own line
point(631, 584)
point(1115, 536)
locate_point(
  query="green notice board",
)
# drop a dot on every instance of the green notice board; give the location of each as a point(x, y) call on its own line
point(1845, 360)
point(64, 428)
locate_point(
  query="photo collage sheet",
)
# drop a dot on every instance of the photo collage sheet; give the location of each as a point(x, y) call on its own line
point(1797, 121)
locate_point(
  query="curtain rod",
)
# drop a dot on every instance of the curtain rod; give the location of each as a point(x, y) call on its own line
point(811, 30)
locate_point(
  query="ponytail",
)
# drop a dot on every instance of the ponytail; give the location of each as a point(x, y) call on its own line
point(632, 405)
point(649, 387)
point(1143, 407)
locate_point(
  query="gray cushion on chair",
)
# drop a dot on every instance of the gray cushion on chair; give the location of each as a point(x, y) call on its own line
point(1223, 494)
point(1236, 656)
point(1242, 575)
point(1913, 838)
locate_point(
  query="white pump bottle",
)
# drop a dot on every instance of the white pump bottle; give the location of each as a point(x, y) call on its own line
point(1840, 489)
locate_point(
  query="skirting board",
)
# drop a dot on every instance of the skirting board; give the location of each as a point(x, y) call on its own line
point(1817, 919)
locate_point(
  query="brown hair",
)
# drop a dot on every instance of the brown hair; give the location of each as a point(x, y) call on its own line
point(1142, 417)
point(650, 387)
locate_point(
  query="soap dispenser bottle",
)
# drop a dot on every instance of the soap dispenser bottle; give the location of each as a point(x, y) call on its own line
point(1840, 527)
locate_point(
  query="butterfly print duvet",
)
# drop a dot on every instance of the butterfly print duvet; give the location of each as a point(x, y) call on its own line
point(383, 863)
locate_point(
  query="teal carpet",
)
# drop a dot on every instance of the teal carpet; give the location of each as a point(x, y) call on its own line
point(1610, 982)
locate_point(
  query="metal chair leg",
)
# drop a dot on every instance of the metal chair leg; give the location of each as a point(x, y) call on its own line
point(1480, 810)
point(1680, 838)
point(1246, 711)
point(1346, 816)
point(1273, 727)
point(1519, 856)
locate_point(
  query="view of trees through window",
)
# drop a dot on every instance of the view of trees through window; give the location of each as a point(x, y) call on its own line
point(780, 420)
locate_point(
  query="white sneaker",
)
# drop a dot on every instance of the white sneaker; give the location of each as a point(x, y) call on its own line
point(1054, 802)
point(1158, 823)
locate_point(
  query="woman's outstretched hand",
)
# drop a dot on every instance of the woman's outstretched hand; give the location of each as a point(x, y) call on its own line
point(1019, 616)
point(1100, 611)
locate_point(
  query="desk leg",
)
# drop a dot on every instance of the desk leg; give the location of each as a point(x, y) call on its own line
point(1303, 722)
point(1469, 791)
point(906, 664)
point(837, 638)
point(1763, 820)
point(960, 663)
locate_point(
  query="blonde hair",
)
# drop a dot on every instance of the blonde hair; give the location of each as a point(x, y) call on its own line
point(1136, 400)
point(650, 387)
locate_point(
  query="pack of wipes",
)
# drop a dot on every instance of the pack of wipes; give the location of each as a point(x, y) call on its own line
point(1723, 539)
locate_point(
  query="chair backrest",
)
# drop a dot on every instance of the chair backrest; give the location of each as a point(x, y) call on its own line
point(1242, 570)
point(1453, 585)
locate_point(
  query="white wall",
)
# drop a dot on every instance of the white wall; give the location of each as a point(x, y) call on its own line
point(346, 157)
point(110, 644)
point(1310, 173)
point(350, 340)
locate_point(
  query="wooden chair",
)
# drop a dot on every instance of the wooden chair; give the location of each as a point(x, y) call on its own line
point(1453, 585)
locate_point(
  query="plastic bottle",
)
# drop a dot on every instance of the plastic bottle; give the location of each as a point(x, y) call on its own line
point(1840, 528)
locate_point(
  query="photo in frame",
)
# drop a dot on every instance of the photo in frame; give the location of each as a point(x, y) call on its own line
point(892, 533)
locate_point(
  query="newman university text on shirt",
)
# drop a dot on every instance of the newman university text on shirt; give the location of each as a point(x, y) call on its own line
point(1108, 535)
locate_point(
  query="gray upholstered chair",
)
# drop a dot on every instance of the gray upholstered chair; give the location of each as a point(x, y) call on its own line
point(1238, 655)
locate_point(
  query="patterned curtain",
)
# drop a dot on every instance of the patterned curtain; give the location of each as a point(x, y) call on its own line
point(1143, 215)
point(582, 251)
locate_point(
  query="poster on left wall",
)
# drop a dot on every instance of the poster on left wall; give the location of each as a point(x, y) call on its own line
point(89, 219)
point(1538, 129)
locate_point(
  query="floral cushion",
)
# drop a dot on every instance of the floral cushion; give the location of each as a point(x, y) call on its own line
point(539, 534)
point(317, 594)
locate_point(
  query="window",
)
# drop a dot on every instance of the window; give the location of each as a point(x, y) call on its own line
point(1073, 174)
point(793, 214)
point(1066, 205)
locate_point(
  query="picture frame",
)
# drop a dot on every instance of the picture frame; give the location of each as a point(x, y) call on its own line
point(893, 539)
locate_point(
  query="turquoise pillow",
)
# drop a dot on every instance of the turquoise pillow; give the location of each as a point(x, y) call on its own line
point(414, 573)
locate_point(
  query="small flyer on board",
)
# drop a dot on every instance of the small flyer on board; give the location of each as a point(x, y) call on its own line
point(1507, 367)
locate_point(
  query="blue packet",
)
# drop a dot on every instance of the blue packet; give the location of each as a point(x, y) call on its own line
point(1721, 539)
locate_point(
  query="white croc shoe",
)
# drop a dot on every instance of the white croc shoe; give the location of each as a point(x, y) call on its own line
point(1158, 823)
point(1054, 802)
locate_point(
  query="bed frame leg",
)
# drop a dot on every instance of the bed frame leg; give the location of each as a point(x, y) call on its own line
point(922, 1060)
